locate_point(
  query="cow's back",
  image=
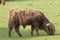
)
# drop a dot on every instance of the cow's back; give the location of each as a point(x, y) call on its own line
point(25, 16)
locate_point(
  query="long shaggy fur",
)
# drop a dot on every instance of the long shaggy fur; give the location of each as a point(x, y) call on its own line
point(24, 17)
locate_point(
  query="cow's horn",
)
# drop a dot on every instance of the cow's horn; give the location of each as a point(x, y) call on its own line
point(48, 24)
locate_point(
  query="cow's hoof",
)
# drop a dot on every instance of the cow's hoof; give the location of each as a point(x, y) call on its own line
point(37, 34)
point(9, 35)
point(31, 34)
point(20, 35)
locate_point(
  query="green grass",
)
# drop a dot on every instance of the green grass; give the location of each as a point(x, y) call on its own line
point(51, 9)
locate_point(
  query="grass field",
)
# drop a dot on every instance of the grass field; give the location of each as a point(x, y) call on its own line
point(51, 9)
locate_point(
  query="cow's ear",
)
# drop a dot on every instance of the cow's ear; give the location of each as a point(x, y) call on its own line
point(48, 24)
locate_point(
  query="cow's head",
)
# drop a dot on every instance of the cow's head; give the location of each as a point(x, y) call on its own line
point(50, 28)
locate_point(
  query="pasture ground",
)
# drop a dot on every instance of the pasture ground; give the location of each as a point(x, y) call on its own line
point(51, 9)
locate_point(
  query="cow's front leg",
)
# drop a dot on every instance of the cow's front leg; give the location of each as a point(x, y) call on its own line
point(36, 28)
point(37, 32)
point(32, 29)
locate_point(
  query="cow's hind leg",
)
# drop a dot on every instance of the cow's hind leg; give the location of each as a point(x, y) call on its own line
point(10, 29)
point(17, 30)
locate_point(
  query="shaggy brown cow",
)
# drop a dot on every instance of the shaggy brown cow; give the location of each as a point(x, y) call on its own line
point(28, 17)
point(2, 2)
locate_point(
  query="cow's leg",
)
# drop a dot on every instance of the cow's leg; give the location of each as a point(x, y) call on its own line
point(37, 32)
point(10, 29)
point(32, 29)
point(17, 30)
point(36, 28)
point(10, 26)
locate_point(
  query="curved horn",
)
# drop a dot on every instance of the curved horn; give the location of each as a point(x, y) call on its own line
point(48, 24)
